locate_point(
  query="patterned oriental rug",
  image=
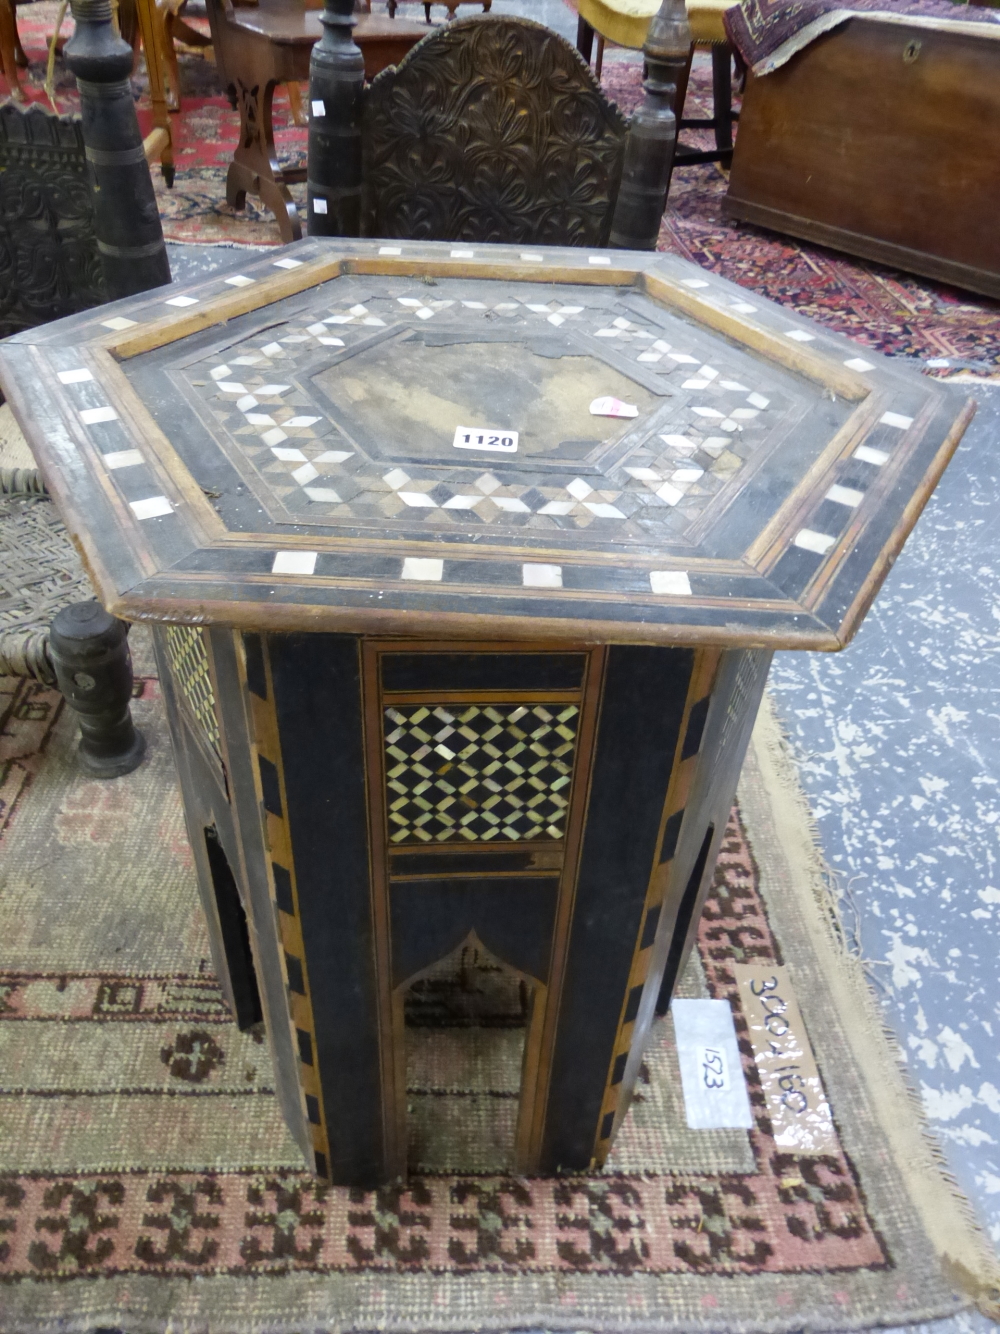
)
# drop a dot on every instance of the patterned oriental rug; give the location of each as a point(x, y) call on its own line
point(147, 1182)
point(892, 312)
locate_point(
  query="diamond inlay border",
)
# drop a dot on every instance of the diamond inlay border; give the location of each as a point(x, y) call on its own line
point(189, 669)
point(479, 772)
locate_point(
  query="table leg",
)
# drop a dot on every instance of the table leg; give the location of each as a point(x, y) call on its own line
point(255, 167)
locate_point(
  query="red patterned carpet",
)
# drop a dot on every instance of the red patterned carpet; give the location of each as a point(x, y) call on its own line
point(881, 308)
point(781, 1213)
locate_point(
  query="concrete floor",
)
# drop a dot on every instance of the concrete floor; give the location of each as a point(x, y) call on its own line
point(898, 742)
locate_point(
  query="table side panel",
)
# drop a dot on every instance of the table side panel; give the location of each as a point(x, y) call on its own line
point(251, 863)
point(319, 714)
point(643, 703)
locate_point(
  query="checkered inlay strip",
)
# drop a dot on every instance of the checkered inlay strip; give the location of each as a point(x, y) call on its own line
point(189, 669)
point(479, 772)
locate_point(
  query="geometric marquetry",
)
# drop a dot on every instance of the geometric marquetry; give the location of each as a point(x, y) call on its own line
point(190, 674)
point(282, 445)
point(468, 562)
point(478, 773)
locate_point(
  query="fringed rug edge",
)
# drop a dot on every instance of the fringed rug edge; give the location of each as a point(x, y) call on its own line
point(964, 1251)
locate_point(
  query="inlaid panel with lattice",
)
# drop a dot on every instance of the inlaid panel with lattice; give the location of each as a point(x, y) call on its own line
point(479, 772)
point(189, 670)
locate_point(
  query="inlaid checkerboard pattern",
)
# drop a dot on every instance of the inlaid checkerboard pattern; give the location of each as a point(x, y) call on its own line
point(307, 411)
point(189, 671)
point(479, 772)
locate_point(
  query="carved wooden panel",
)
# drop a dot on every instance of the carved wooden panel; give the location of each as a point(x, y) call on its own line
point(49, 263)
point(491, 130)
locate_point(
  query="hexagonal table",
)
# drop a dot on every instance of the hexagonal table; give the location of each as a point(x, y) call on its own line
point(465, 567)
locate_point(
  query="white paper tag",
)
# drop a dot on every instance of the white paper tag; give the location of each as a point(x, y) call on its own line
point(613, 407)
point(715, 1092)
point(319, 108)
point(319, 205)
point(476, 437)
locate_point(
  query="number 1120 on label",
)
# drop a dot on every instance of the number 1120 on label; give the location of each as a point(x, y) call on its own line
point(474, 437)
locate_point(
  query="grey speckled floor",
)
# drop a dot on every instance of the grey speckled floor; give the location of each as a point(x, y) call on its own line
point(898, 740)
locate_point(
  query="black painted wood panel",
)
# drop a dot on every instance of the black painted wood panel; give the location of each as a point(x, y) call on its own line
point(317, 689)
point(641, 710)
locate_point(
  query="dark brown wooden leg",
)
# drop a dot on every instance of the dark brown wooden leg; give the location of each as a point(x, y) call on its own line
point(599, 62)
point(89, 651)
point(9, 47)
point(255, 168)
point(722, 96)
point(652, 138)
point(584, 39)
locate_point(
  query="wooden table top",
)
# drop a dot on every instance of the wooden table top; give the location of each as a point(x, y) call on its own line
point(289, 27)
point(477, 441)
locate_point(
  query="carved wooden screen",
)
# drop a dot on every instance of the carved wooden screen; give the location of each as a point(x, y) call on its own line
point(49, 262)
point(492, 129)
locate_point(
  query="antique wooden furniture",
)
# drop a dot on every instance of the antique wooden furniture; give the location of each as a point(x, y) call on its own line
point(261, 47)
point(49, 261)
point(50, 630)
point(135, 17)
point(492, 129)
point(626, 23)
point(450, 650)
point(65, 245)
point(11, 51)
point(880, 138)
point(126, 218)
point(451, 5)
point(159, 143)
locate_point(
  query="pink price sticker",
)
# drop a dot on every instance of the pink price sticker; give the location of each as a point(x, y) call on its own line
point(612, 407)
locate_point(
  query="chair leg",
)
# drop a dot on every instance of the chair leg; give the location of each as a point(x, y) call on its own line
point(722, 96)
point(584, 39)
point(295, 103)
point(89, 651)
point(9, 45)
point(169, 52)
point(599, 62)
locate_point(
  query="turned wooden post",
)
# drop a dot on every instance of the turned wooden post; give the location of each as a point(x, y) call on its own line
point(89, 651)
point(652, 137)
point(126, 218)
point(336, 80)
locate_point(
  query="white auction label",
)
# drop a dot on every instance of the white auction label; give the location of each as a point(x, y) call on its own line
point(715, 1092)
point(476, 437)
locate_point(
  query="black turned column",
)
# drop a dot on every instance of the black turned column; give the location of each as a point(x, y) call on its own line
point(336, 79)
point(89, 651)
point(127, 221)
point(652, 137)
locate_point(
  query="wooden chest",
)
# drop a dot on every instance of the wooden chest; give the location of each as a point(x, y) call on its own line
point(881, 138)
